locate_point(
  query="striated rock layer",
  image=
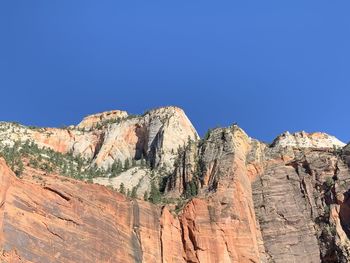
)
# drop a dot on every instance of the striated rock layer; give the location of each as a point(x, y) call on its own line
point(56, 219)
point(232, 198)
point(287, 202)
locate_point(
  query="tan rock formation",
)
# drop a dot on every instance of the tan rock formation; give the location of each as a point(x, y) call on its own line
point(307, 140)
point(91, 121)
point(156, 136)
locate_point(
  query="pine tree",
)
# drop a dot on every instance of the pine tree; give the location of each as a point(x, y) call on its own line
point(193, 188)
point(133, 192)
point(126, 164)
point(154, 195)
point(119, 166)
point(114, 169)
point(145, 196)
point(122, 189)
point(20, 168)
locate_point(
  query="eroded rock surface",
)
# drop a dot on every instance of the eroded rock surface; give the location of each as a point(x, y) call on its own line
point(47, 218)
point(155, 136)
point(227, 197)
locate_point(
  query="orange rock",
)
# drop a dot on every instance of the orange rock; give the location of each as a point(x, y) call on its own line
point(255, 202)
point(55, 219)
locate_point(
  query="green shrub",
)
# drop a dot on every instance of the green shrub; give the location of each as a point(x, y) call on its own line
point(329, 182)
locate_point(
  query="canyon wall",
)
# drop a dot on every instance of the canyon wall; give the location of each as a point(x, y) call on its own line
point(226, 197)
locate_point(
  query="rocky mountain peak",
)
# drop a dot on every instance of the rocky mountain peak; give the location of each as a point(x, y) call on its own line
point(307, 140)
point(91, 120)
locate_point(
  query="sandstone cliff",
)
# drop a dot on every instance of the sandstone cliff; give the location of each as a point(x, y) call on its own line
point(226, 197)
point(109, 136)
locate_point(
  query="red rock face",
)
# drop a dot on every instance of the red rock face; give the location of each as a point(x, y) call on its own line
point(55, 219)
point(171, 238)
point(48, 218)
point(211, 236)
point(287, 202)
point(221, 226)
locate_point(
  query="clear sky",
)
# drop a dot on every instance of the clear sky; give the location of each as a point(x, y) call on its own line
point(271, 66)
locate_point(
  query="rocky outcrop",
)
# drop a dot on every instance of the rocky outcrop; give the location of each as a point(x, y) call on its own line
point(228, 197)
point(91, 121)
point(307, 140)
point(155, 136)
point(289, 189)
point(186, 170)
point(294, 196)
point(346, 154)
point(285, 207)
point(221, 227)
point(137, 177)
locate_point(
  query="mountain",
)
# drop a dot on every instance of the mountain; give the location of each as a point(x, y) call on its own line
point(125, 188)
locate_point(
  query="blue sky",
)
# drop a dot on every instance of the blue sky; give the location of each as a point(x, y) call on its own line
point(271, 66)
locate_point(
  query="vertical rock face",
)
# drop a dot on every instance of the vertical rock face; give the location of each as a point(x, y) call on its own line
point(346, 154)
point(186, 169)
point(221, 227)
point(228, 197)
point(285, 185)
point(71, 221)
point(286, 208)
point(171, 238)
point(293, 198)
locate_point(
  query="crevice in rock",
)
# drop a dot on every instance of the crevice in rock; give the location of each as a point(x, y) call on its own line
point(98, 145)
point(57, 193)
point(307, 196)
point(184, 244)
point(154, 155)
point(68, 220)
point(225, 241)
point(52, 232)
point(192, 238)
point(136, 238)
point(297, 164)
point(183, 175)
point(336, 171)
point(183, 241)
point(141, 151)
point(161, 237)
point(282, 216)
point(213, 177)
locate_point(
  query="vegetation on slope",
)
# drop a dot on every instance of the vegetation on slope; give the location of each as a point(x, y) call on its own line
point(67, 164)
